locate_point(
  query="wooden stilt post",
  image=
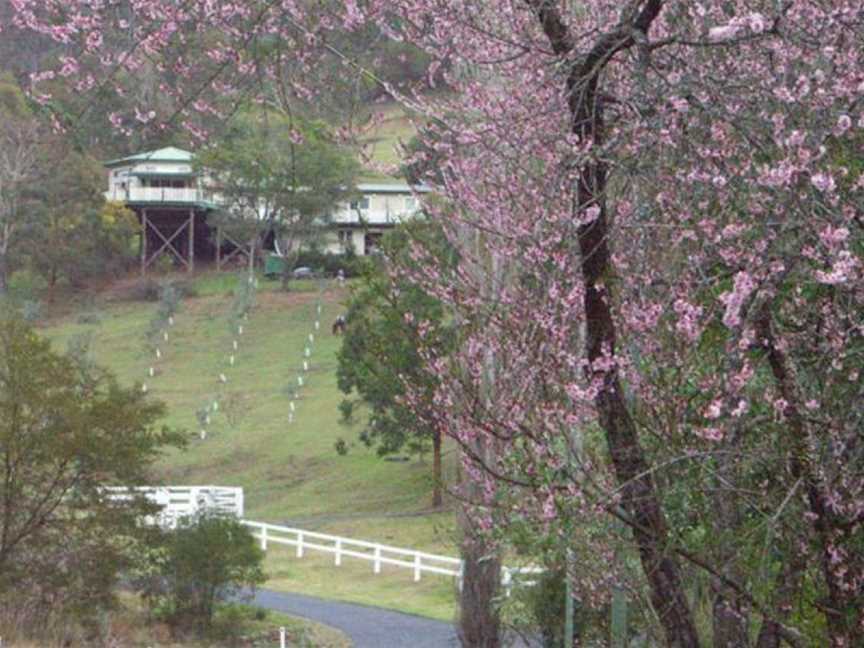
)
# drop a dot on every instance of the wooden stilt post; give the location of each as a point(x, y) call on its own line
point(191, 265)
point(143, 242)
point(218, 248)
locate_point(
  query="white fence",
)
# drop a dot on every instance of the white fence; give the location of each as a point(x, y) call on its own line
point(178, 502)
point(377, 554)
point(419, 562)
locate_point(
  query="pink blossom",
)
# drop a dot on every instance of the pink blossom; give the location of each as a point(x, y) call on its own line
point(743, 286)
point(823, 182)
point(723, 32)
point(842, 270)
point(714, 410)
point(844, 123)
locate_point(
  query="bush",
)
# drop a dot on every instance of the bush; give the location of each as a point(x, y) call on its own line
point(153, 290)
point(209, 559)
point(328, 264)
point(145, 290)
point(31, 311)
point(24, 285)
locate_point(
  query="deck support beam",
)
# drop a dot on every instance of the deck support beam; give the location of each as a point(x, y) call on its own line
point(190, 265)
point(143, 242)
point(245, 250)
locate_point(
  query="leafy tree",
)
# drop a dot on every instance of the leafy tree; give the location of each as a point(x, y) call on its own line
point(19, 154)
point(277, 175)
point(208, 559)
point(380, 360)
point(67, 431)
point(73, 234)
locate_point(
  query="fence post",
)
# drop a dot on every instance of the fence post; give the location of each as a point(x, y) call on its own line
point(282, 643)
point(338, 551)
point(299, 544)
point(263, 538)
point(506, 580)
point(377, 567)
point(417, 566)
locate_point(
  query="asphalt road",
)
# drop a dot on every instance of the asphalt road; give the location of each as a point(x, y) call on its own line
point(368, 627)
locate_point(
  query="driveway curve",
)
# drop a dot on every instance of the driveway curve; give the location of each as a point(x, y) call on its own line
point(366, 626)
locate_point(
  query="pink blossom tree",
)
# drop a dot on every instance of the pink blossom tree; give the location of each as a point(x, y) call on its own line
point(672, 192)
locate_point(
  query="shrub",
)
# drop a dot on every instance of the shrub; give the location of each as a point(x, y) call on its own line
point(31, 310)
point(328, 264)
point(145, 290)
point(153, 290)
point(209, 559)
point(25, 284)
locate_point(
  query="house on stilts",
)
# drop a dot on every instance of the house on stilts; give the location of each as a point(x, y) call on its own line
point(172, 200)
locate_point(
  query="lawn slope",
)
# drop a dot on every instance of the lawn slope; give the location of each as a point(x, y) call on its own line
point(290, 473)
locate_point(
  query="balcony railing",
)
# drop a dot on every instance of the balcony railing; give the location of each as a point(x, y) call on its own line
point(157, 194)
point(373, 216)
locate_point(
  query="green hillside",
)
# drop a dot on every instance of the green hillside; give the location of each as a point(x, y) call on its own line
point(291, 473)
point(380, 146)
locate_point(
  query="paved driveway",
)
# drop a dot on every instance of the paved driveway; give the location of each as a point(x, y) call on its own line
point(368, 627)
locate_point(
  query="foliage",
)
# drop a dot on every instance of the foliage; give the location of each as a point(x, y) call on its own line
point(277, 175)
point(169, 304)
point(209, 559)
point(20, 143)
point(31, 311)
point(329, 264)
point(67, 238)
point(660, 246)
point(244, 302)
point(67, 430)
point(380, 351)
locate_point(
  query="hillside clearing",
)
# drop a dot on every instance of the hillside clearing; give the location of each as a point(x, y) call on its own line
point(290, 473)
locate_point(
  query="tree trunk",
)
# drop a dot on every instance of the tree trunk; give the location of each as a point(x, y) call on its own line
point(730, 617)
point(843, 619)
point(785, 592)
point(479, 622)
point(52, 284)
point(638, 493)
point(437, 476)
point(4, 283)
point(288, 268)
point(730, 620)
point(252, 245)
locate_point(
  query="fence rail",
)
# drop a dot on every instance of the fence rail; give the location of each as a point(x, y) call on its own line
point(377, 554)
point(419, 562)
point(178, 502)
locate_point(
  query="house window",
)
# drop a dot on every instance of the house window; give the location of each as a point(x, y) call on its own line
point(167, 183)
point(372, 242)
point(345, 239)
point(362, 204)
point(410, 203)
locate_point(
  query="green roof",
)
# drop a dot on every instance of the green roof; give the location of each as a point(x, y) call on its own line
point(167, 154)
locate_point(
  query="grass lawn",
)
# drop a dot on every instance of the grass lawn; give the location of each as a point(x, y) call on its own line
point(291, 473)
point(380, 145)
